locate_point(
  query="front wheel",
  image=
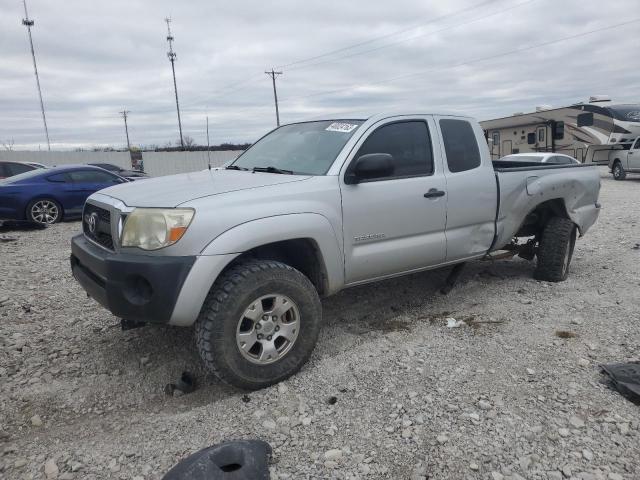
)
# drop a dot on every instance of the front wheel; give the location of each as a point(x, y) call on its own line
point(44, 211)
point(618, 171)
point(259, 324)
point(556, 250)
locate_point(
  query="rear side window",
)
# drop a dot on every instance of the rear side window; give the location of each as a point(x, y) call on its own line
point(92, 176)
point(460, 145)
point(558, 160)
point(59, 178)
point(408, 143)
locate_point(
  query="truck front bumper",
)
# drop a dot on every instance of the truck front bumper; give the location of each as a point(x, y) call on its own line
point(143, 288)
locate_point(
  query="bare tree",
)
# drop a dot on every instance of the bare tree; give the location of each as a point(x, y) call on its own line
point(188, 141)
point(8, 145)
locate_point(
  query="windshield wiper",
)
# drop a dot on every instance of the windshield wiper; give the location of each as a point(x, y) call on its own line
point(235, 167)
point(272, 170)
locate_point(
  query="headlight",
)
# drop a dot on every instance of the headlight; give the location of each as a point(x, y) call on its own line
point(154, 228)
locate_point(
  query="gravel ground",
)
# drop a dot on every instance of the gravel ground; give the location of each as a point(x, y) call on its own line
point(390, 391)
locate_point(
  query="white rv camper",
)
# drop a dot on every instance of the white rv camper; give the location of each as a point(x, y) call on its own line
point(586, 131)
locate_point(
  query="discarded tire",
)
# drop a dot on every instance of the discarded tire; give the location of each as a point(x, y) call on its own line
point(237, 460)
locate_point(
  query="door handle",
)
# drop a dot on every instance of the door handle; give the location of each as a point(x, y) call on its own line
point(434, 193)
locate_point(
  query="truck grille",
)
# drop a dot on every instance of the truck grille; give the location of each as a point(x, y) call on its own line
point(96, 225)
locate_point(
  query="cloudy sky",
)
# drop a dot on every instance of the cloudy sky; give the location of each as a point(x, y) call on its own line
point(486, 58)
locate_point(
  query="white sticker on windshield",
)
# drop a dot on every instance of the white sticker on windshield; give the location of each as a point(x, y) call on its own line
point(342, 127)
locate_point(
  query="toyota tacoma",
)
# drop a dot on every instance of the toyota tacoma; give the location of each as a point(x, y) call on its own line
point(244, 253)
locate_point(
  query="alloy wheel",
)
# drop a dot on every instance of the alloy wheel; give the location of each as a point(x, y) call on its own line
point(268, 329)
point(45, 212)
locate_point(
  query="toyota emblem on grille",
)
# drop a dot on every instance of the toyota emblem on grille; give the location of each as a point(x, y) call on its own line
point(92, 222)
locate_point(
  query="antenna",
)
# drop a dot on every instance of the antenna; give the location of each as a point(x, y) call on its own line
point(273, 75)
point(29, 23)
point(172, 58)
point(208, 152)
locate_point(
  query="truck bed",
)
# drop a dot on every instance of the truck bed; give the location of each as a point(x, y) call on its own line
point(522, 186)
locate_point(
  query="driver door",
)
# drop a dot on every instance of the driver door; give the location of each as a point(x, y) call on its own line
point(395, 223)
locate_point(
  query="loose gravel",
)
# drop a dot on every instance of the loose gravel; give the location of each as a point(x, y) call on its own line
point(512, 392)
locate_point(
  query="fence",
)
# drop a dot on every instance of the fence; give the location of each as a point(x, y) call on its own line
point(156, 164)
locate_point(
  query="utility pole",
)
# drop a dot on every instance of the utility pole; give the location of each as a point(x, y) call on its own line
point(172, 58)
point(273, 74)
point(124, 114)
point(29, 23)
point(208, 153)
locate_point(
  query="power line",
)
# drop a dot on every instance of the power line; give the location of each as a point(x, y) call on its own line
point(124, 114)
point(397, 32)
point(242, 85)
point(29, 23)
point(172, 58)
point(273, 75)
point(468, 62)
point(428, 34)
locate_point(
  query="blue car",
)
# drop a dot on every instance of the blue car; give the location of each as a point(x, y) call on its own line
point(48, 196)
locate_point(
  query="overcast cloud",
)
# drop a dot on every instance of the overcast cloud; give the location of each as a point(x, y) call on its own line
point(96, 58)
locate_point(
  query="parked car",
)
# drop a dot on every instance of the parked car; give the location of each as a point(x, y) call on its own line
point(47, 196)
point(121, 172)
point(622, 162)
point(245, 252)
point(9, 169)
point(541, 157)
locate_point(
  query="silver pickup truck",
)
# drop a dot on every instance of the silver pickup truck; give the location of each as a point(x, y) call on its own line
point(623, 161)
point(245, 252)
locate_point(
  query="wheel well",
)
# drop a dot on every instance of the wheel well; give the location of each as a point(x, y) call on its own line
point(303, 254)
point(536, 219)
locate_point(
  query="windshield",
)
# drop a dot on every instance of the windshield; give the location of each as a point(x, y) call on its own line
point(626, 113)
point(21, 176)
point(302, 148)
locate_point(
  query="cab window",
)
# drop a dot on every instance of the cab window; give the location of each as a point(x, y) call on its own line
point(460, 145)
point(408, 143)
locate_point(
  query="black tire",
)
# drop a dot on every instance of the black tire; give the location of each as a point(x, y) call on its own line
point(618, 171)
point(556, 250)
point(44, 219)
point(223, 311)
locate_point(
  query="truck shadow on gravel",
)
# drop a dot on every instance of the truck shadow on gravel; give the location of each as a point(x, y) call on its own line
point(398, 304)
point(156, 356)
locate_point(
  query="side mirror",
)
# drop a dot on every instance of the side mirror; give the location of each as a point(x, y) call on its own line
point(371, 165)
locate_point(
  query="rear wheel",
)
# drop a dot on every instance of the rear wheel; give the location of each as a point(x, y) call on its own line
point(618, 171)
point(259, 324)
point(556, 250)
point(44, 211)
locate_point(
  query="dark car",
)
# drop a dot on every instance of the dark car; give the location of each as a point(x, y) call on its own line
point(9, 169)
point(47, 196)
point(121, 172)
